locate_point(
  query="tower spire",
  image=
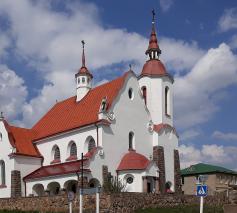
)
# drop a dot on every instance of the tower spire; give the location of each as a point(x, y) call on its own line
point(83, 54)
point(153, 19)
point(153, 49)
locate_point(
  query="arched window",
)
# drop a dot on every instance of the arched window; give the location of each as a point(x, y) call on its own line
point(167, 101)
point(91, 144)
point(131, 140)
point(144, 93)
point(83, 79)
point(73, 149)
point(0, 136)
point(56, 153)
point(2, 173)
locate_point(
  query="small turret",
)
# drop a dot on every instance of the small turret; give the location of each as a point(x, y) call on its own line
point(83, 77)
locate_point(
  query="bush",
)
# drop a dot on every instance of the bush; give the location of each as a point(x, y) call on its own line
point(114, 185)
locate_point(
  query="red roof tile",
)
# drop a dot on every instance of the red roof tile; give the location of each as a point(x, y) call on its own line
point(69, 114)
point(133, 161)
point(57, 169)
point(21, 139)
point(153, 42)
point(154, 67)
point(161, 126)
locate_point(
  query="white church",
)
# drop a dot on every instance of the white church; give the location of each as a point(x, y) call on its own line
point(124, 128)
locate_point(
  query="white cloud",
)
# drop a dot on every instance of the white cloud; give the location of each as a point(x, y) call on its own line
point(195, 93)
point(212, 154)
point(50, 42)
point(12, 93)
point(166, 4)
point(225, 136)
point(233, 42)
point(189, 134)
point(4, 43)
point(185, 56)
point(228, 20)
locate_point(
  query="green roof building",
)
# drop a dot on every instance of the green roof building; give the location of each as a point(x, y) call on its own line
point(219, 179)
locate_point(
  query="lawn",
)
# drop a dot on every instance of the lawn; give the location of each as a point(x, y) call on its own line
point(187, 209)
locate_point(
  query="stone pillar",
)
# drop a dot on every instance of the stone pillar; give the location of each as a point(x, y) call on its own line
point(177, 174)
point(105, 174)
point(144, 180)
point(156, 179)
point(15, 183)
point(159, 158)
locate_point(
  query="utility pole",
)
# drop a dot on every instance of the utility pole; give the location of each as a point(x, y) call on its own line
point(81, 190)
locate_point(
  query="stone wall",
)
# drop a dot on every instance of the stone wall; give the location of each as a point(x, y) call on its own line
point(159, 158)
point(111, 203)
point(177, 173)
point(15, 183)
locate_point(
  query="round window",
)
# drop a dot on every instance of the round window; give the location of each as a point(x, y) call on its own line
point(130, 93)
point(130, 180)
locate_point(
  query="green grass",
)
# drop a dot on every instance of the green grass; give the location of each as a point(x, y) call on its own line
point(17, 211)
point(187, 209)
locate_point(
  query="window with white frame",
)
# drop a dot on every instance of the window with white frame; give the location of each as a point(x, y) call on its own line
point(131, 141)
point(56, 153)
point(167, 101)
point(91, 144)
point(73, 149)
point(2, 173)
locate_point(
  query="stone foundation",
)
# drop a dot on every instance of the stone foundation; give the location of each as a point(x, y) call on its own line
point(110, 203)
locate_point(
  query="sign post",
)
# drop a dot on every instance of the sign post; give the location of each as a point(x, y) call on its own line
point(81, 202)
point(70, 197)
point(201, 192)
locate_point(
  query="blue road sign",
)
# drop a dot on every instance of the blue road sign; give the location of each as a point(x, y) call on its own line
point(201, 190)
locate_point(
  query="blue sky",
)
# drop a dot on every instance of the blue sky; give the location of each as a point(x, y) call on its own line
point(40, 51)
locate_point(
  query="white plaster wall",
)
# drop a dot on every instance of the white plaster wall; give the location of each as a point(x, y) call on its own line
point(82, 88)
point(62, 141)
point(46, 181)
point(137, 185)
point(130, 115)
point(6, 149)
point(26, 165)
point(169, 141)
point(156, 98)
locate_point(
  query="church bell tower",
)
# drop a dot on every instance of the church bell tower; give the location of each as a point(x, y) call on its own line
point(156, 83)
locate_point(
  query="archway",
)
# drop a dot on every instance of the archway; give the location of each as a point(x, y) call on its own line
point(53, 188)
point(38, 190)
point(93, 183)
point(71, 185)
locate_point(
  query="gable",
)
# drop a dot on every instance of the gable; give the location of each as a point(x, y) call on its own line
point(69, 114)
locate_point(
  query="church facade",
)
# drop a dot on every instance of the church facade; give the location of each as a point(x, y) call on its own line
point(123, 128)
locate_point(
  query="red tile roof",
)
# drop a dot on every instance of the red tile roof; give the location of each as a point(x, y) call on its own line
point(154, 67)
point(84, 71)
point(133, 161)
point(21, 140)
point(153, 42)
point(56, 169)
point(161, 126)
point(69, 114)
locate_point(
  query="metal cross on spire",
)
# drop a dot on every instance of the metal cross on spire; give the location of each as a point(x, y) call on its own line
point(153, 16)
point(1, 116)
point(83, 54)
